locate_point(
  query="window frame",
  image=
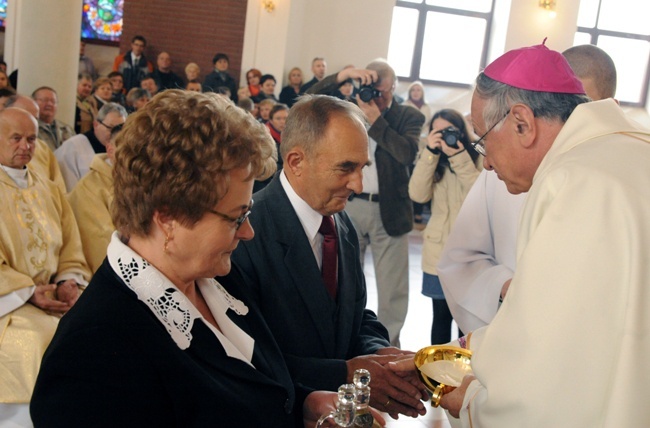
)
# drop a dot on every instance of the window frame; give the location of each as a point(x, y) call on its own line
point(595, 32)
point(416, 62)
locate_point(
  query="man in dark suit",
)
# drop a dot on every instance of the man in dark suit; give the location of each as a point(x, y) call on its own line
point(383, 212)
point(164, 76)
point(319, 68)
point(133, 64)
point(325, 334)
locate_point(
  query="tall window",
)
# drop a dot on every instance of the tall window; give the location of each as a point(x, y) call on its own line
point(444, 42)
point(620, 28)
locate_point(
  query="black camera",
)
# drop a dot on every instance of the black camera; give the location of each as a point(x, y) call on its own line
point(451, 136)
point(368, 92)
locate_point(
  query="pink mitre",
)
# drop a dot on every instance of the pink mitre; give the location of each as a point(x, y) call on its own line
point(535, 68)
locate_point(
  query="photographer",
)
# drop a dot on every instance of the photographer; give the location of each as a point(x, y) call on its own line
point(445, 171)
point(383, 213)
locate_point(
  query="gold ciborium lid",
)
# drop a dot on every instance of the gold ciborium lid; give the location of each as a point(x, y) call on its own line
point(441, 367)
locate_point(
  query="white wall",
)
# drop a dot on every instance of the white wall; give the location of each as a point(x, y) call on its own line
point(343, 32)
point(529, 25)
point(103, 57)
point(32, 47)
point(356, 32)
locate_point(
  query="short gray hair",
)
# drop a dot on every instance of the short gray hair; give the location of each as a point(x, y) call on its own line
point(384, 70)
point(547, 105)
point(309, 118)
point(111, 108)
point(136, 94)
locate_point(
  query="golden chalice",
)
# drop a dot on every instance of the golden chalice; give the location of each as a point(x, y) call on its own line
point(441, 368)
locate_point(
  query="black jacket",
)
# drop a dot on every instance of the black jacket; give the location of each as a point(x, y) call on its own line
point(111, 363)
point(316, 334)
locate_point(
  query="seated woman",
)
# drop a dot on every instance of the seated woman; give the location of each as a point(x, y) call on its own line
point(276, 124)
point(91, 200)
point(102, 94)
point(444, 172)
point(4, 80)
point(192, 71)
point(136, 99)
point(117, 83)
point(252, 86)
point(347, 90)
point(267, 85)
point(264, 109)
point(290, 93)
point(41, 264)
point(155, 340)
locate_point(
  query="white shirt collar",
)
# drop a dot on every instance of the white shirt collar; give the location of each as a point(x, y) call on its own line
point(309, 218)
point(173, 309)
point(19, 176)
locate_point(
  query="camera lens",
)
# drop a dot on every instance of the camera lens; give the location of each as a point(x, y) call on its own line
point(450, 135)
point(366, 93)
point(451, 140)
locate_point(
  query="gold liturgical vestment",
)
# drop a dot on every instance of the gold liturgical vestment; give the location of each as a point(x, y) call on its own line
point(44, 163)
point(91, 199)
point(39, 244)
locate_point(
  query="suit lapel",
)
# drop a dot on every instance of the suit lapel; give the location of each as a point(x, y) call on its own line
point(301, 264)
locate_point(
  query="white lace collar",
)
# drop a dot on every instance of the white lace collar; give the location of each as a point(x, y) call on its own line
point(173, 309)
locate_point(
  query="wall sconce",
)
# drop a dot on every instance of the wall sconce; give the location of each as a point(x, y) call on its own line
point(269, 6)
point(549, 5)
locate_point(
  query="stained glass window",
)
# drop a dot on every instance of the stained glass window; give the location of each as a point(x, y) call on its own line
point(100, 20)
point(3, 12)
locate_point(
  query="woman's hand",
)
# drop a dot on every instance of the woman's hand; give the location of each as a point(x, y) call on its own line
point(317, 404)
point(435, 141)
point(320, 403)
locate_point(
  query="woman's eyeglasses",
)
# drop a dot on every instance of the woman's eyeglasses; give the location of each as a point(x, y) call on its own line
point(238, 221)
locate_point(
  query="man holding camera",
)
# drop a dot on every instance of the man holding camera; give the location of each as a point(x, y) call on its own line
point(383, 212)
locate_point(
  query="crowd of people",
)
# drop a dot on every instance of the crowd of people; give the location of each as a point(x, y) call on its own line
point(72, 172)
point(197, 241)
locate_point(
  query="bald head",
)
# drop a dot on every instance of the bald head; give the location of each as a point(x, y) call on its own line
point(23, 102)
point(18, 131)
point(595, 69)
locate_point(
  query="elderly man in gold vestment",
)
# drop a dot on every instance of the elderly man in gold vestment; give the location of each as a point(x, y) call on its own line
point(91, 201)
point(41, 263)
point(43, 161)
